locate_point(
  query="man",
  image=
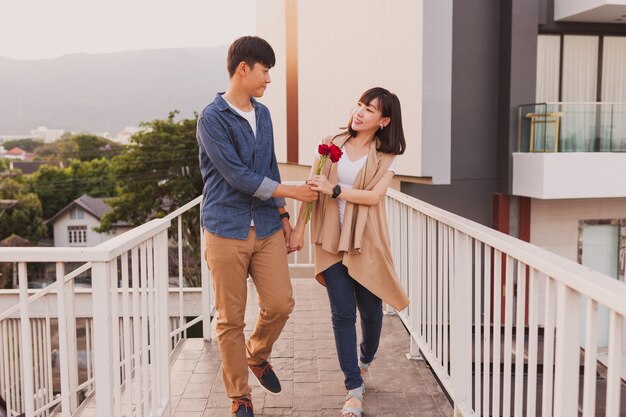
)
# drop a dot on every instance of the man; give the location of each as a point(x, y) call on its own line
point(243, 213)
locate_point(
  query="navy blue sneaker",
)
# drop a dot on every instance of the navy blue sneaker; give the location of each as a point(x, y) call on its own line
point(242, 408)
point(267, 377)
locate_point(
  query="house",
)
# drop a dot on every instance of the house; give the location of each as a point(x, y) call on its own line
point(16, 153)
point(74, 224)
point(27, 167)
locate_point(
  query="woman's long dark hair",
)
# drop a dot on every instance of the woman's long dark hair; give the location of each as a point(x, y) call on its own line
point(392, 136)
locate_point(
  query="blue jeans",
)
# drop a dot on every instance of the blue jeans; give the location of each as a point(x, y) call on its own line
point(345, 295)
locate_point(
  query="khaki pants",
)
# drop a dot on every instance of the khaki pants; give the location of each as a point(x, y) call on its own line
point(230, 262)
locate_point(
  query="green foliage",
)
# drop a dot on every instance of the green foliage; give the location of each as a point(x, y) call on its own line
point(56, 187)
point(13, 186)
point(29, 145)
point(158, 172)
point(23, 219)
point(4, 164)
point(83, 147)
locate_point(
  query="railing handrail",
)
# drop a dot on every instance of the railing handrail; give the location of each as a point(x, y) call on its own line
point(101, 253)
point(184, 208)
point(572, 102)
point(596, 285)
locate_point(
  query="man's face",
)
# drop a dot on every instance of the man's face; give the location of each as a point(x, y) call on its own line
point(256, 79)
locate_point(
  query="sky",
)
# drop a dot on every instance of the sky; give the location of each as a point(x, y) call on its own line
point(42, 29)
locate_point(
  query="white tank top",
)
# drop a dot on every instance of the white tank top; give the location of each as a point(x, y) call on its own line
point(347, 171)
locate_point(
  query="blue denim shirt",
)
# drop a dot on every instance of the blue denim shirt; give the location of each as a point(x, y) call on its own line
point(239, 171)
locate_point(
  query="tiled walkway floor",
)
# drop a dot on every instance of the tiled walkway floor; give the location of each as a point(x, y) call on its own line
point(305, 360)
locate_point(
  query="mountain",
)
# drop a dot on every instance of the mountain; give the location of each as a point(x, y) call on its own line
point(106, 92)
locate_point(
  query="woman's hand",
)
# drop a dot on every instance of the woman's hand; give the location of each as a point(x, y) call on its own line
point(296, 240)
point(320, 183)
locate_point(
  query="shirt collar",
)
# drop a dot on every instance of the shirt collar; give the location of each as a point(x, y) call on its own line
point(223, 105)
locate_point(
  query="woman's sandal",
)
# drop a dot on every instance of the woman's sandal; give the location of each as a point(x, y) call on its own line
point(354, 411)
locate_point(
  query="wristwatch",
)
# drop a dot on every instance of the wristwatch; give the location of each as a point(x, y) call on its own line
point(336, 191)
point(285, 215)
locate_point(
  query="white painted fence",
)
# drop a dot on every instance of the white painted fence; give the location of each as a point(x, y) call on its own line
point(477, 294)
point(127, 344)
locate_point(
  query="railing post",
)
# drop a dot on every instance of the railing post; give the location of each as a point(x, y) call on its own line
point(26, 343)
point(567, 352)
point(103, 354)
point(413, 282)
point(72, 354)
point(64, 367)
point(461, 322)
point(162, 290)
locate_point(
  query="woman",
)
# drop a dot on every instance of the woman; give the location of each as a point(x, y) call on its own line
point(349, 230)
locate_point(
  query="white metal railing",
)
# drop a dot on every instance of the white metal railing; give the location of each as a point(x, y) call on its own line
point(476, 295)
point(124, 320)
point(480, 301)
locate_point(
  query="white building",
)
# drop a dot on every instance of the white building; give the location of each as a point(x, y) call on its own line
point(514, 112)
point(124, 135)
point(47, 135)
point(74, 224)
point(551, 173)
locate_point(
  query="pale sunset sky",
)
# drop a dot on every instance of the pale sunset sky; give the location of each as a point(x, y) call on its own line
point(41, 29)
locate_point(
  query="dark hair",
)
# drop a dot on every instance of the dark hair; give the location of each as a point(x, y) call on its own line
point(392, 136)
point(249, 49)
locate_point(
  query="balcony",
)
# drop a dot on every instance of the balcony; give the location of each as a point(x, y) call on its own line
point(593, 11)
point(584, 143)
point(504, 327)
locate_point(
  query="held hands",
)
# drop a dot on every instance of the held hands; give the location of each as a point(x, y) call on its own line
point(296, 241)
point(305, 193)
point(287, 233)
point(320, 183)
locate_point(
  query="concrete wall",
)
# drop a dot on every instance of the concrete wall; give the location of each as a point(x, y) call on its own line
point(588, 10)
point(347, 47)
point(474, 145)
point(548, 24)
point(570, 175)
point(554, 223)
point(270, 25)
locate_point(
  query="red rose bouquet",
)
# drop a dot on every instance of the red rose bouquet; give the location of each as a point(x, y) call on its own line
point(332, 152)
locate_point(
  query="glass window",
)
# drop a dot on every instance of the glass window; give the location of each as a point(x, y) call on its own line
point(77, 235)
point(77, 213)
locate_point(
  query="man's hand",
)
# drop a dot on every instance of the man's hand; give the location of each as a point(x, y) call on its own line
point(320, 183)
point(297, 241)
point(287, 232)
point(304, 193)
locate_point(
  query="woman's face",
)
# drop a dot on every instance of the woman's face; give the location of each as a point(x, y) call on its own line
point(367, 118)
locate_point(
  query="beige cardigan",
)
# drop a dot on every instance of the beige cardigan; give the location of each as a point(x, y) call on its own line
point(363, 242)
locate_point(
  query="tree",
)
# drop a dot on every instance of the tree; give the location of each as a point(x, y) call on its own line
point(57, 187)
point(29, 145)
point(25, 217)
point(158, 173)
point(83, 147)
point(53, 185)
point(4, 165)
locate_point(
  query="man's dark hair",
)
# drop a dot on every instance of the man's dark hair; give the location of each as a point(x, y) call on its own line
point(249, 49)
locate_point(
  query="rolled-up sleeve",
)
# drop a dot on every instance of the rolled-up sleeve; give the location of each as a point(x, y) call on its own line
point(266, 189)
point(213, 138)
